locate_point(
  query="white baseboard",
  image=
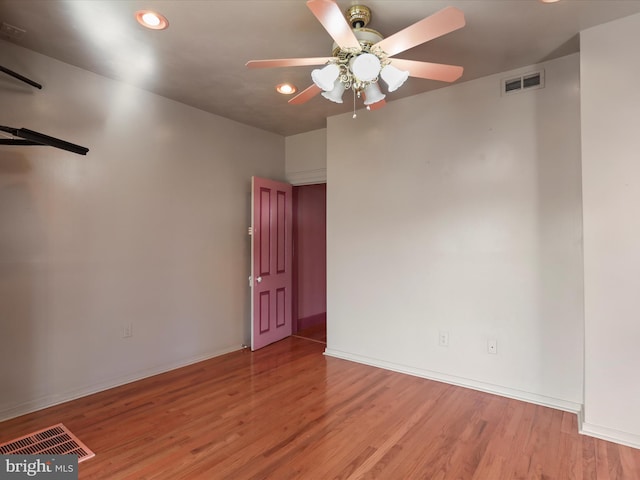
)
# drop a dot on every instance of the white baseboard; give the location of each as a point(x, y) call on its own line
point(534, 398)
point(608, 434)
point(8, 412)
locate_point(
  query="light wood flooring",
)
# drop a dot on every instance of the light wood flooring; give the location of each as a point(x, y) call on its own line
point(288, 412)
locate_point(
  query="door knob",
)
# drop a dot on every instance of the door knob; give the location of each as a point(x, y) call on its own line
point(258, 279)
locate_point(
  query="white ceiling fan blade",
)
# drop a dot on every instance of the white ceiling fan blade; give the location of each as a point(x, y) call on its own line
point(433, 26)
point(430, 71)
point(330, 16)
point(287, 62)
point(305, 95)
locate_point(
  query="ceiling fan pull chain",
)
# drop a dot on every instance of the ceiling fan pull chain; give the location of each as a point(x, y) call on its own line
point(354, 104)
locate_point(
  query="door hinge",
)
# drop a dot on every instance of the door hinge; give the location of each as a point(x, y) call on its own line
point(250, 231)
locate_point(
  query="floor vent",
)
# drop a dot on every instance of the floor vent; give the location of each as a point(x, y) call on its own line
point(528, 81)
point(55, 440)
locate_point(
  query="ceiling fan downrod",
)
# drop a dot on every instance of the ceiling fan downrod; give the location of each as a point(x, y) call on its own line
point(359, 16)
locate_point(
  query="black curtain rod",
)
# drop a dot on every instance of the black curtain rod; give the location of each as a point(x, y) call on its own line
point(22, 78)
point(17, 141)
point(31, 137)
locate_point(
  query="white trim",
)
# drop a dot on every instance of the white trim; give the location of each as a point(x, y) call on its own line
point(307, 177)
point(534, 398)
point(580, 418)
point(608, 434)
point(8, 412)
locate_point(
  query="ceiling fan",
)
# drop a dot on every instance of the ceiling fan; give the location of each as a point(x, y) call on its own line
point(361, 56)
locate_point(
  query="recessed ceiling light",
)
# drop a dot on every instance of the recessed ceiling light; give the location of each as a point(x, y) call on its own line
point(549, 1)
point(152, 20)
point(286, 88)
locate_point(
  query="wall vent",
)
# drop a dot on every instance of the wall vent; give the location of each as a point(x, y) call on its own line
point(528, 81)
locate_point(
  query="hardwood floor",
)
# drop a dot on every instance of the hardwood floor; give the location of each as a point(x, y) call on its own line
point(316, 332)
point(288, 412)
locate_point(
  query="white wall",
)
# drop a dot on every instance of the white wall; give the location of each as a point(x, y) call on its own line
point(611, 186)
point(149, 228)
point(306, 157)
point(460, 210)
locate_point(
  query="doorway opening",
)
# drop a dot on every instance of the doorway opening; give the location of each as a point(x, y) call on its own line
point(310, 262)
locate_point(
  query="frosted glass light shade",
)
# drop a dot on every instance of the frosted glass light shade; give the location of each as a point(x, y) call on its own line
point(325, 77)
point(394, 77)
point(335, 95)
point(366, 67)
point(373, 94)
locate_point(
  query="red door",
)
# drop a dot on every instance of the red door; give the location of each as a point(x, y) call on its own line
point(271, 259)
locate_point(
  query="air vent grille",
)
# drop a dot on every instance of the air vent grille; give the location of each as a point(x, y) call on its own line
point(55, 440)
point(511, 85)
point(533, 80)
point(528, 81)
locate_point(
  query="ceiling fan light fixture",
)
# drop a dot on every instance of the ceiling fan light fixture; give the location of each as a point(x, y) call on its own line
point(373, 94)
point(325, 77)
point(359, 55)
point(152, 20)
point(394, 77)
point(335, 95)
point(365, 67)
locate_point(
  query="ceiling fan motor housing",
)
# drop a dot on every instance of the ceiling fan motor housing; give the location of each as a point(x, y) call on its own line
point(358, 16)
point(366, 37)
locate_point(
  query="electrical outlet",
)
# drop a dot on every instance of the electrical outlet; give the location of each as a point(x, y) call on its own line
point(443, 338)
point(127, 330)
point(492, 346)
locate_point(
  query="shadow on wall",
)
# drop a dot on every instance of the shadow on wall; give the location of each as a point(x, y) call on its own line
point(13, 162)
point(567, 48)
point(21, 242)
point(558, 194)
point(8, 83)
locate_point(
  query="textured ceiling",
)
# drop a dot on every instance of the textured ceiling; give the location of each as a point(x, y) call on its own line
point(199, 60)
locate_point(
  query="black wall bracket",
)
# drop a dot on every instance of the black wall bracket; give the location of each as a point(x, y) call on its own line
point(20, 77)
point(30, 137)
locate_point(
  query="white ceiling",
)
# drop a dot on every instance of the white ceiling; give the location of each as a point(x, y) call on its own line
point(199, 60)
